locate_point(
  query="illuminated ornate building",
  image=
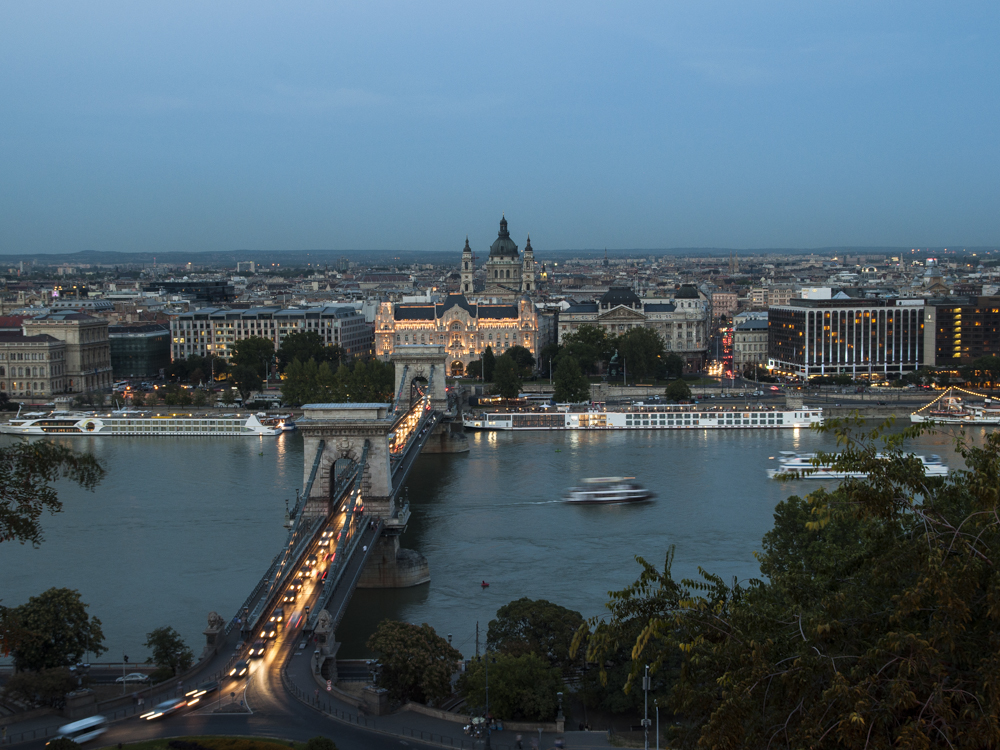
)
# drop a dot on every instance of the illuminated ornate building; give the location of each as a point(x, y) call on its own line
point(508, 273)
point(464, 329)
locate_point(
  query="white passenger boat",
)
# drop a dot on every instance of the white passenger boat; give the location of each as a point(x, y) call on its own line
point(137, 423)
point(283, 422)
point(950, 408)
point(607, 491)
point(687, 417)
point(805, 466)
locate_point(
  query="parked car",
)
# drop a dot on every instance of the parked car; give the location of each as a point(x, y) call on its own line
point(133, 677)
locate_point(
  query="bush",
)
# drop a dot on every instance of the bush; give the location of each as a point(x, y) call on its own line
point(45, 688)
point(320, 743)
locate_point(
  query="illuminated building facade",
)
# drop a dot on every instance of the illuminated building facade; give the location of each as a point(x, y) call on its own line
point(960, 330)
point(464, 329)
point(863, 337)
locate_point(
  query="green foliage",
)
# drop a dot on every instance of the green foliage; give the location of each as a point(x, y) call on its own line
point(246, 380)
point(417, 663)
point(521, 687)
point(534, 626)
point(45, 688)
point(678, 390)
point(169, 650)
point(62, 744)
point(305, 346)
point(26, 473)
point(320, 743)
point(175, 395)
point(362, 382)
point(506, 381)
point(570, 383)
point(983, 372)
point(876, 629)
point(138, 400)
point(56, 631)
point(200, 398)
point(589, 346)
point(489, 363)
point(254, 352)
point(228, 396)
point(642, 349)
point(523, 357)
point(671, 365)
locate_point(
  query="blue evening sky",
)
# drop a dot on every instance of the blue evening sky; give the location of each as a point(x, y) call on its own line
point(139, 126)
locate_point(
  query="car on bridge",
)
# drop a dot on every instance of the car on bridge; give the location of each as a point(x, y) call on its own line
point(239, 669)
point(290, 596)
point(309, 566)
point(257, 648)
point(278, 615)
point(164, 709)
point(268, 631)
point(296, 584)
point(194, 696)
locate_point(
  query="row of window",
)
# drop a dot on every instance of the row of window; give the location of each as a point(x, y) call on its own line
point(29, 372)
point(30, 356)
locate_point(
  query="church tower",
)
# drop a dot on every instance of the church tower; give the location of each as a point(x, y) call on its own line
point(528, 275)
point(468, 269)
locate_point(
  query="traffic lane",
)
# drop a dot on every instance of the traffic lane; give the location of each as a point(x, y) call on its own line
point(300, 727)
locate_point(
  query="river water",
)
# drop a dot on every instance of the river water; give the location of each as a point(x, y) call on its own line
point(184, 526)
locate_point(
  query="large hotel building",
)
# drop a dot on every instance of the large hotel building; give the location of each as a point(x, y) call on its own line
point(858, 337)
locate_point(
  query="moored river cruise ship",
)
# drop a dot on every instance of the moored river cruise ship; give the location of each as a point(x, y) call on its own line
point(137, 424)
point(695, 417)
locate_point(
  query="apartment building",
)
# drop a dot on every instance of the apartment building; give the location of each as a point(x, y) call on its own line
point(215, 330)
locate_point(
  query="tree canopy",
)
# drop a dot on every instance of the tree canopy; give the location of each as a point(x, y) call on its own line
point(570, 383)
point(255, 352)
point(521, 687)
point(307, 345)
point(506, 380)
point(523, 358)
point(416, 663)
point(245, 379)
point(877, 627)
point(55, 631)
point(589, 346)
point(530, 626)
point(677, 390)
point(641, 349)
point(364, 382)
point(26, 473)
point(168, 650)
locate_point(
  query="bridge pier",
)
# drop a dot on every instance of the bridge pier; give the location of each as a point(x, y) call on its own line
point(447, 437)
point(393, 567)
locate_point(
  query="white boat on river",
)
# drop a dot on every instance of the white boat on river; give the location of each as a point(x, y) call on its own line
point(806, 466)
point(137, 424)
point(608, 491)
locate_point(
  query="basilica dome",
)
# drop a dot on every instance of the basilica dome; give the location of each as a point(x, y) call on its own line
point(504, 246)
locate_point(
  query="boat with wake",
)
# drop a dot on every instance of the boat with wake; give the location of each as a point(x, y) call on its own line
point(608, 491)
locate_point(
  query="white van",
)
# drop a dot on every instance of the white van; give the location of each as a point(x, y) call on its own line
point(83, 730)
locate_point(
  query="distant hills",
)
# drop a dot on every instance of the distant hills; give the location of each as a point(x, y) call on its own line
point(329, 257)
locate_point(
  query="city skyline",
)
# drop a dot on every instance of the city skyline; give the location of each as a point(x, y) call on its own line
point(213, 129)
